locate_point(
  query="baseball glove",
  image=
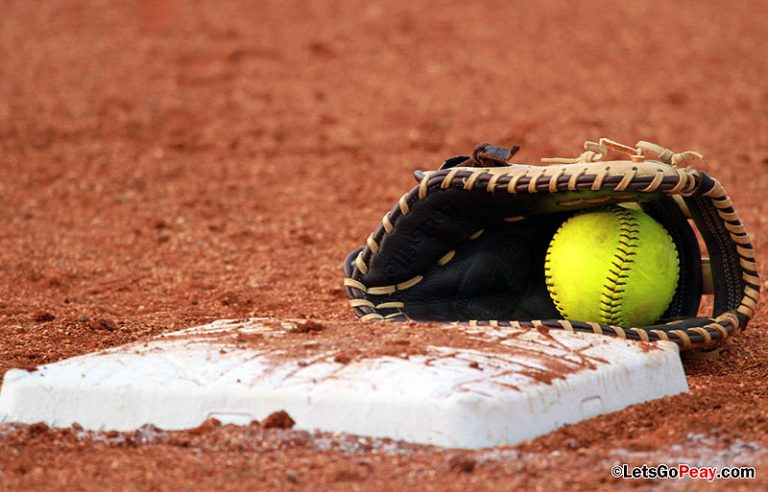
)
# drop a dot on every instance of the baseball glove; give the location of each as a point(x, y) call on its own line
point(468, 243)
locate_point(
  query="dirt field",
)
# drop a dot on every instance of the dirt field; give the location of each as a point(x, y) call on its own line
point(170, 163)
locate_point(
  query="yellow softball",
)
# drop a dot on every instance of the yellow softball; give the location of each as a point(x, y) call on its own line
point(615, 265)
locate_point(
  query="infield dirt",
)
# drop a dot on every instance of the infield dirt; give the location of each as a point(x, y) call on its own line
point(169, 163)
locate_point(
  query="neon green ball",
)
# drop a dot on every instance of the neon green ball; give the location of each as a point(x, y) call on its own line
point(615, 265)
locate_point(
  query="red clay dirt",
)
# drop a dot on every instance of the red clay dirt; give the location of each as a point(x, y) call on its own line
point(170, 163)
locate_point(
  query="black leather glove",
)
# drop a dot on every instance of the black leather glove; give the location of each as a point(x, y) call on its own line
point(468, 243)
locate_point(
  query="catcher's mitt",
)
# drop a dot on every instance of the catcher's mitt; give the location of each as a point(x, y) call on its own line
point(468, 243)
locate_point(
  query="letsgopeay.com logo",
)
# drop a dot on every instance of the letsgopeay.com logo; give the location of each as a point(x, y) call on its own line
point(683, 471)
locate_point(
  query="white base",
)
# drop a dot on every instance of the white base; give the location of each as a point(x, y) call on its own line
point(177, 381)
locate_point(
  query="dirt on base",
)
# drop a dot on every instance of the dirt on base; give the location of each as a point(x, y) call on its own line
point(168, 163)
point(310, 341)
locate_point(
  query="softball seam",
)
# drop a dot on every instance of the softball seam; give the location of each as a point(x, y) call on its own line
point(548, 276)
point(612, 295)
